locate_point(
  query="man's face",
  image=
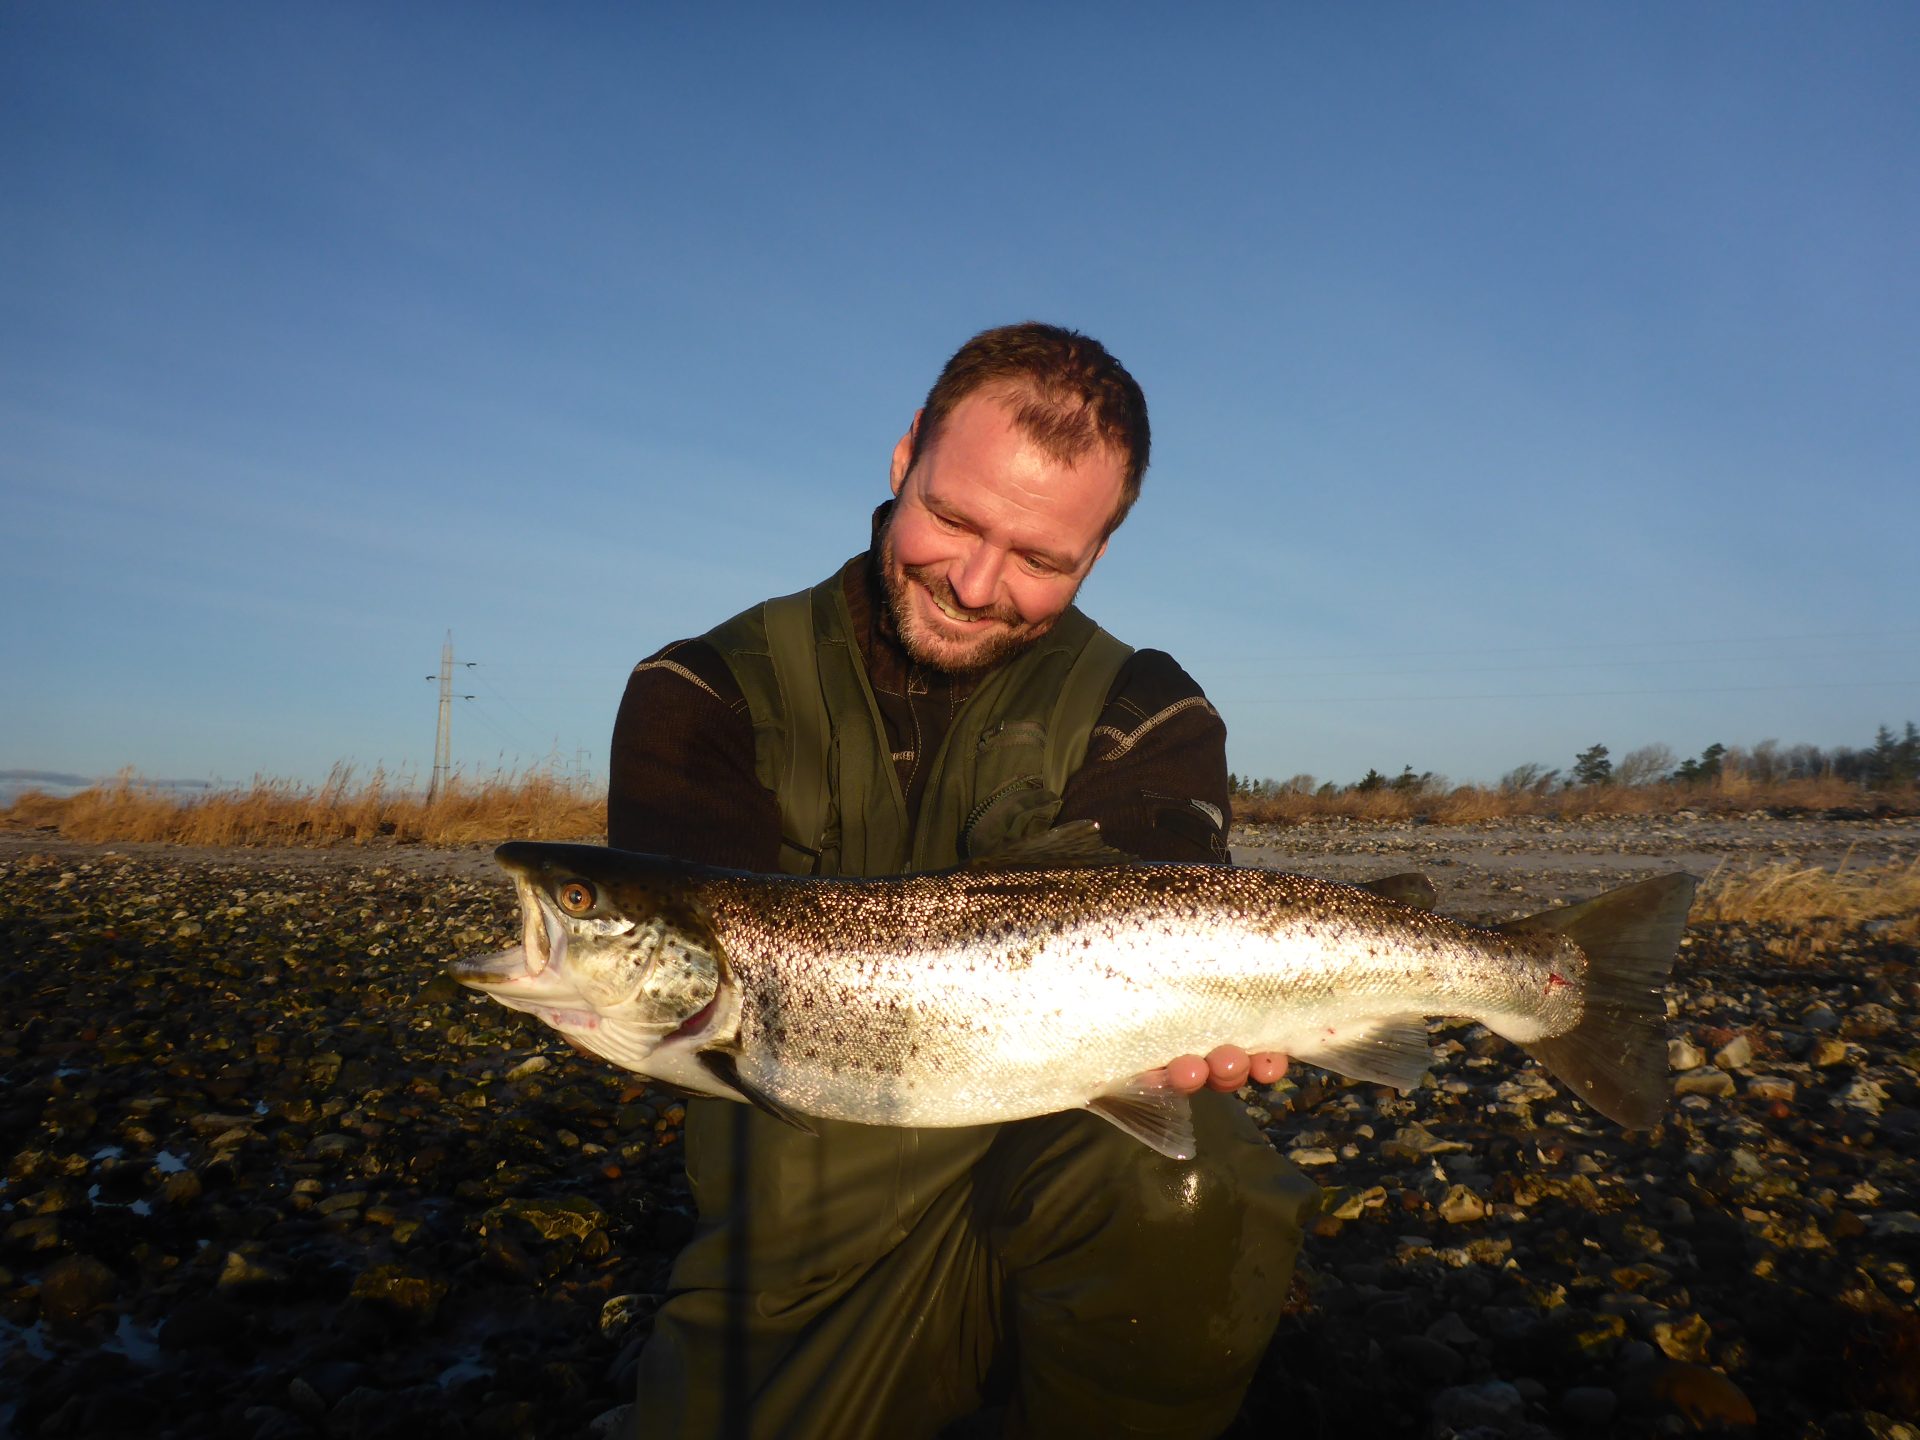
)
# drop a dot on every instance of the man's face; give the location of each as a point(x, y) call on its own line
point(990, 537)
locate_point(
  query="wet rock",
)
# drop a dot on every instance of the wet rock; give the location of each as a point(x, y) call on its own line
point(1683, 1054)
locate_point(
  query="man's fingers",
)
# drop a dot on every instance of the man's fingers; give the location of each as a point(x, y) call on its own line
point(1187, 1074)
point(1268, 1067)
point(1227, 1067)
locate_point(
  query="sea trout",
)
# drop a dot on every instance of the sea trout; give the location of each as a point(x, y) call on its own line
point(1057, 977)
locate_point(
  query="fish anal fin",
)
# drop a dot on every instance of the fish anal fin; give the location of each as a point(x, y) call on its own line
point(1387, 1052)
point(1078, 842)
point(722, 1066)
point(1152, 1112)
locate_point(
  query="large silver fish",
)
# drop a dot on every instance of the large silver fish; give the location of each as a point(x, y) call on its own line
point(1059, 978)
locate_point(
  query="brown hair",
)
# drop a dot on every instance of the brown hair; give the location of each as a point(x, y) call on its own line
point(1069, 395)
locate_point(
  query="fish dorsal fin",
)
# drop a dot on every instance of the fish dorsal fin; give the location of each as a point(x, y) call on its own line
point(1387, 1052)
point(1152, 1111)
point(1411, 889)
point(722, 1066)
point(1077, 842)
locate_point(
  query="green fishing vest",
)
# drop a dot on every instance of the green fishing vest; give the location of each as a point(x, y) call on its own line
point(820, 744)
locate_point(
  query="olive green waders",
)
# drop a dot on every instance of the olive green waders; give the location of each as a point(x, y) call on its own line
point(883, 1282)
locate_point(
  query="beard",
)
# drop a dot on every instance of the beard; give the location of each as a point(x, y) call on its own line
point(925, 645)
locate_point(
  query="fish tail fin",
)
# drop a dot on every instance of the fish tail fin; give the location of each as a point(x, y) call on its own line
point(1615, 1059)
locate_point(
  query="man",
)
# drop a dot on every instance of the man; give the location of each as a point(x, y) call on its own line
point(937, 700)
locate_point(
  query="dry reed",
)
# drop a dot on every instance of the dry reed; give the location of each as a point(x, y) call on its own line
point(1468, 804)
point(505, 805)
point(1814, 899)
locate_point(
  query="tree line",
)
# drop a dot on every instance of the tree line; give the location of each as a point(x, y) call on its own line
point(1892, 762)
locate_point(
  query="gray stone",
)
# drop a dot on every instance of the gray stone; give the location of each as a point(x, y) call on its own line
point(1864, 1095)
point(1894, 1225)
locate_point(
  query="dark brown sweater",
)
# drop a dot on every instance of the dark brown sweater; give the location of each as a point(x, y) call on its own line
point(682, 783)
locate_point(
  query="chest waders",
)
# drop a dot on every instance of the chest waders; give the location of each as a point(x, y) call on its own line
point(876, 1281)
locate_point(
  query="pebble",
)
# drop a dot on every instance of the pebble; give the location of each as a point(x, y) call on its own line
point(1736, 1054)
point(1683, 1054)
point(1712, 1083)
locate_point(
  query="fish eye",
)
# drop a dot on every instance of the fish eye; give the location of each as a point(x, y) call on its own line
point(576, 897)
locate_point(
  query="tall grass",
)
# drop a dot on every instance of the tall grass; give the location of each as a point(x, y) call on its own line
point(342, 810)
point(1731, 794)
point(541, 804)
point(1817, 901)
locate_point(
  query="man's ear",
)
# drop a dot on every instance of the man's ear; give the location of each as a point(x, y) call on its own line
point(903, 454)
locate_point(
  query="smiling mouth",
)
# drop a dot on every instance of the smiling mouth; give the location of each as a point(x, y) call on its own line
point(960, 616)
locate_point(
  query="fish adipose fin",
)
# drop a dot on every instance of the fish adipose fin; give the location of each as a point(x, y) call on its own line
point(1615, 1059)
point(1152, 1111)
point(1388, 1052)
point(721, 1065)
point(1411, 889)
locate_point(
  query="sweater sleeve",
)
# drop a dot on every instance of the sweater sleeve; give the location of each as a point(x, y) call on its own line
point(681, 778)
point(1155, 776)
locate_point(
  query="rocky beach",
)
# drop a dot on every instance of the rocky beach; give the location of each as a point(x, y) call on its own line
point(269, 1174)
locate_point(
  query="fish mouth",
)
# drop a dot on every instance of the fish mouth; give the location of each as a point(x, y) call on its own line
point(531, 976)
point(511, 979)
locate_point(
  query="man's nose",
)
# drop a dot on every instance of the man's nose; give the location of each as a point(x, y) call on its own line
point(976, 578)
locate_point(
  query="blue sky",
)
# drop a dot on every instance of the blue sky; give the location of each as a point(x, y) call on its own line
point(1522, 376)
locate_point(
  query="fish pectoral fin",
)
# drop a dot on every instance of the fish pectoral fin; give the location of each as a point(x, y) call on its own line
point(1078, 842)
point(1152, 1111)
point(1387, 1052)
point(723, 1067)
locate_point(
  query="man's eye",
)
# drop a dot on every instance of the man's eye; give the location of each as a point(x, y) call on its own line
point(1040, 567)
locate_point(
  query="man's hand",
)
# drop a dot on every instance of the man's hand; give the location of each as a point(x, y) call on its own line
point(1227, 1067)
